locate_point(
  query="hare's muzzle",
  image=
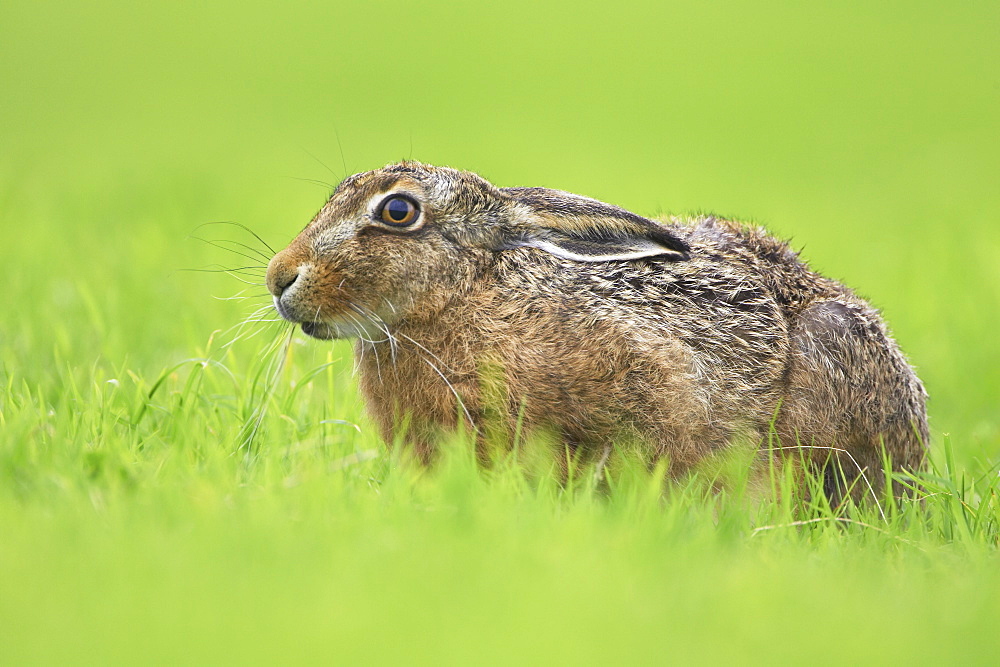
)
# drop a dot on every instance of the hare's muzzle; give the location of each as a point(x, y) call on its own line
point(283, 271)
point(309, 293)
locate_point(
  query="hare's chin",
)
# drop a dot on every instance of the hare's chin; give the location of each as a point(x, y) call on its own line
point(319, 330)
point(338, 329)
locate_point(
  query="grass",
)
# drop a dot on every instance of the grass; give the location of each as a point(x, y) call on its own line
point(139, 524)
point(154, 541)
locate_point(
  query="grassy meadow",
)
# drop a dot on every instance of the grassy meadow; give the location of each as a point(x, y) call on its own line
point(140, 524)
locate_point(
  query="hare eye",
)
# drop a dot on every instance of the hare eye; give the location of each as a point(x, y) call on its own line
point(398, 211)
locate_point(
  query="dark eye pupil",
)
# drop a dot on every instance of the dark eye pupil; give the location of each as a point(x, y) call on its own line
point(398, 209)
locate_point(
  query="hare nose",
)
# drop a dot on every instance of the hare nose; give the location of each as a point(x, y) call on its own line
point(285, 281)
point(281, 275)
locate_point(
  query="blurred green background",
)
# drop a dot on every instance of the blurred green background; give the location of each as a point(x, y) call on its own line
point(867, 133)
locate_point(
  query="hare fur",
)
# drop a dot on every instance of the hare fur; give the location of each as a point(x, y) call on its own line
point(536, 309)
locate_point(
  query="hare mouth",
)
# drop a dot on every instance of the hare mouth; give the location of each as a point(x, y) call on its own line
point(319, 330)
point(355, 322)
point(348, 320)
point(367, 331)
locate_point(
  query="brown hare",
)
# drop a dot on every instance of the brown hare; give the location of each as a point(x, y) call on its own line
point(536, 309)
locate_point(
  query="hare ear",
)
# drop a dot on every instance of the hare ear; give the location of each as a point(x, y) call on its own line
point(586, 230)
point(600, 248)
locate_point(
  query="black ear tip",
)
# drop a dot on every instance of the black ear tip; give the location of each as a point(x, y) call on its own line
point(668, 240)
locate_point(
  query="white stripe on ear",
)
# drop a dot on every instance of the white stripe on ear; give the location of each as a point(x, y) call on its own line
point(604, 250)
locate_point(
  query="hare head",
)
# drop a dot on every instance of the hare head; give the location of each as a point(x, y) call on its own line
point(402, 241)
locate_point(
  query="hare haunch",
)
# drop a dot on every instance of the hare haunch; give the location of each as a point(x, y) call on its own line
point(538, 309)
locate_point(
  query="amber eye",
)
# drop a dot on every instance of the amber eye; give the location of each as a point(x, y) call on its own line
point(398, 211)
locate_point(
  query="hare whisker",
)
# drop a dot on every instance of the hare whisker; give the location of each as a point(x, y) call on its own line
point(436, 358)
point(241, 296)
point(377, 320)
point(451, 387)
point(390, 304)
point(241, 328)
point(238, 244)
point(252, 270)
point(366, 342)
point(240, 226)
point(315, 181)
point(220, 244)
point(256, 296)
